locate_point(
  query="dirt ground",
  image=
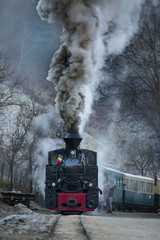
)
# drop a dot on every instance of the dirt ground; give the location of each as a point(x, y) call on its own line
point(19, 222)
point(123, 226)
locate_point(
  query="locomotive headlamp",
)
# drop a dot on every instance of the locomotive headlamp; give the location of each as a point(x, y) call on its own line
point(90, 184)
point(53, 184)
point(72, 152)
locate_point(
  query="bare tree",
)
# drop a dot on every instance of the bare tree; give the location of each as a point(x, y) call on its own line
point(142, 88)
point(143, 61)
point(31, 149)
point(29, 154)
point(140, 158)
point(136, 74)
point(12, 142)
point(136, 71)
point(13, 139)
point(9, 81)
point(5, 92)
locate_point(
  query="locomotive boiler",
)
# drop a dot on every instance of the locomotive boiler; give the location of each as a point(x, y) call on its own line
point(72, 177)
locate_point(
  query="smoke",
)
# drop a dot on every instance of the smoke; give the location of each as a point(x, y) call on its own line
point(49, 128)
point(155, 2)
point(75, 64)
point(41, 154)
point(49, 123)
point(122, 23)
point(108, 153)
point(93, 29)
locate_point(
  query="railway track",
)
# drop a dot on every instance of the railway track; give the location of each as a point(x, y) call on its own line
point(68, 227)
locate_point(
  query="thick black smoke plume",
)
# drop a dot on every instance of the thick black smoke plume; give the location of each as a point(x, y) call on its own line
point(75, 66)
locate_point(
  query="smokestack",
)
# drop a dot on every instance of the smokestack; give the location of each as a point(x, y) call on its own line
point(72, 140)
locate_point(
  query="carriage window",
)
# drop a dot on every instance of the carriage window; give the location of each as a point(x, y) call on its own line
point(127, 184)
point(132, 183)
point(144, 187)
point(136, 185)
point(139, 186)
point(150, 187)
point(119, 182)
point(116, 182)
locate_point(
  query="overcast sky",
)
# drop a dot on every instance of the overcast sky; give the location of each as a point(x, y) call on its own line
point(28, 41)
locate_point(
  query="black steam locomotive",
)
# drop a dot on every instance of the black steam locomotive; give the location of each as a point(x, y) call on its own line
point(72, 177)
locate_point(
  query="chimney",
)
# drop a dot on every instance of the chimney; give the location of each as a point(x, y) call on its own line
point(72, 140)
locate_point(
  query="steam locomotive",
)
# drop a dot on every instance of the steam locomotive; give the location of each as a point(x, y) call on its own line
point(72, 177)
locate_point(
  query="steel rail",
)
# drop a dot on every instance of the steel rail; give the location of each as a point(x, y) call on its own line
point(85, 228)
point(51, 227)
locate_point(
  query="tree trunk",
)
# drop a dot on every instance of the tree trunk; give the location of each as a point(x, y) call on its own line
point(20, 183)
point(11, 179)
point(30, 175)
point(2, 171)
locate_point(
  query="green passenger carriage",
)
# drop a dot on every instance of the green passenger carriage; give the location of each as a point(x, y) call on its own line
point(133, 191)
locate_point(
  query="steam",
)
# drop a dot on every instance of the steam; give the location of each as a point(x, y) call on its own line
point(92, 30)
point(53, 126)
point(43, 147)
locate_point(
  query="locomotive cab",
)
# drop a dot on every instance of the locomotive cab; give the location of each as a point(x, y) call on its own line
point(72, 177)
